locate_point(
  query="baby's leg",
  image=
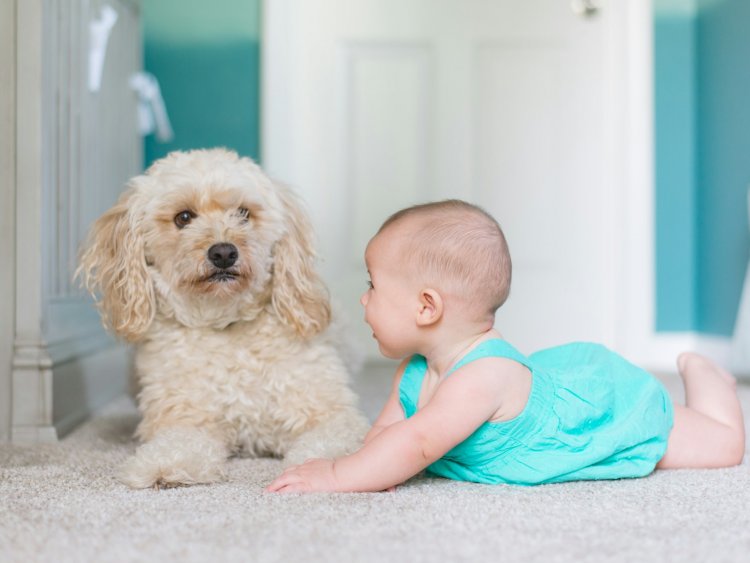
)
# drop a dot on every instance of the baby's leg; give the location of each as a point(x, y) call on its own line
point(709, 431)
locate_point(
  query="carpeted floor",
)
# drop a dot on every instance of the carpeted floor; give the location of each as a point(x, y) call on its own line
point(61, 503)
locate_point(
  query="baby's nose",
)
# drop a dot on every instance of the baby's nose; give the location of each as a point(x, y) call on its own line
point(363, 299)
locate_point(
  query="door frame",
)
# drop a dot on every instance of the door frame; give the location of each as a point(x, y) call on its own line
point(632, 88)
point(7, 207)
point(629, 154)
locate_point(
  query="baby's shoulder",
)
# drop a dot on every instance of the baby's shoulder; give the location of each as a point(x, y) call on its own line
point(504, 382)
point(497, 370)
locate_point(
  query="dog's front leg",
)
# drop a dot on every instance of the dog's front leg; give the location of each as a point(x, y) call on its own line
point(339, 434)
point(176, 456)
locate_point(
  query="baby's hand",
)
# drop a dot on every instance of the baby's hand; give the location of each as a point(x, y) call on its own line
point(313, 475)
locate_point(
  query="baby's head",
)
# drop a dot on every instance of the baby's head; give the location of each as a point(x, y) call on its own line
point(457, 248)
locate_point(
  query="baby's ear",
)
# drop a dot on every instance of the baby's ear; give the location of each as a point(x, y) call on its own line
point(113, 269)
point(430, 307)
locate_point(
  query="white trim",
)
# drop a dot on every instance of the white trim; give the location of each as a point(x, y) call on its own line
point(7, 207)
point(32, 367)
point(612, 100)
point(638, 171)
point(633, 88)
point(32, 392)
point(616, 101)
point(660, 351)
point(740, 355)
point(635, 336)
point(277, 90)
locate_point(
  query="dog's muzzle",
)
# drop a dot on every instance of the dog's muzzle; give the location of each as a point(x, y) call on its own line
point(223, 256)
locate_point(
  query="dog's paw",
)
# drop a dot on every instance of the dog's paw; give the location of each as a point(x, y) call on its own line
point(161, 484)
point(176, 457)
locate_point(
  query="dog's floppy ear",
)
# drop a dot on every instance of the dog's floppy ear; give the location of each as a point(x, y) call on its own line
point(113, 266)
point(299, 295)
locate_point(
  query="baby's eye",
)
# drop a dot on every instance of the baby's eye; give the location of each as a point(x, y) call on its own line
point(369, 285)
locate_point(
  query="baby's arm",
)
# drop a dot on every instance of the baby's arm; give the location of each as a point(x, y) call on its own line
point(465, 400)
point(392, 411)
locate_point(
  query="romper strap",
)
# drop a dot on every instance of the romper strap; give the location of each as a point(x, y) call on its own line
point(414, 373)
point(411, 384)
point(494, 348)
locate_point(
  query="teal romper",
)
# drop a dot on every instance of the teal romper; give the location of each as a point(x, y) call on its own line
point(590, 415)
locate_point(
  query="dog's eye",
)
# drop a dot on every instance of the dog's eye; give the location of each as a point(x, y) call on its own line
point(244, 213)
point(183, 218)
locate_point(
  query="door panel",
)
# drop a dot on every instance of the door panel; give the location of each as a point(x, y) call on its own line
point(376, 104)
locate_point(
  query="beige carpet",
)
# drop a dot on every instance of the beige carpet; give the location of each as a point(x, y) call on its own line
point(61, 503)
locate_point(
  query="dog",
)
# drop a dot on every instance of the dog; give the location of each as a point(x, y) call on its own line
point(209, 268)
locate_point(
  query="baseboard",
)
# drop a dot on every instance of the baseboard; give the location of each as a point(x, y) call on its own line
point(33, 434)
point(83, 386)
point(659, 352)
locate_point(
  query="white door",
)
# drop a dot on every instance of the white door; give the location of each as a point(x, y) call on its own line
point(372, 105)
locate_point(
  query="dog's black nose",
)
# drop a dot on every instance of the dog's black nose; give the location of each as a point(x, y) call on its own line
point(223, 255)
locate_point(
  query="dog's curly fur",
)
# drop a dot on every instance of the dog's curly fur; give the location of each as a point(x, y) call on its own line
point(230, 358)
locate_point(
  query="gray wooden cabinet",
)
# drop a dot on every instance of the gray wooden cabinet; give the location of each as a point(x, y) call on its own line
point(66, 151)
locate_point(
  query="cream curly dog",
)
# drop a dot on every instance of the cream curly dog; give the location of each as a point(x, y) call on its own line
point(208, 266)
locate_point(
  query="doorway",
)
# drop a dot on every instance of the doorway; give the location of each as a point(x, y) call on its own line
point(529, 109)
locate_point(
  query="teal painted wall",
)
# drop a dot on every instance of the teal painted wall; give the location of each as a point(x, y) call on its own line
point(675, 165)
point(723, 55)
point(702, 170)
point(206, 56)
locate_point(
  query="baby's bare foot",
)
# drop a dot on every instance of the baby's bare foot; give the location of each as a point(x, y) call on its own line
point(689, 362)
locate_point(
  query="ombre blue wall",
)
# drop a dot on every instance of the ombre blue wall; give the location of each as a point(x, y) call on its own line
point(723, 149)
point(702, 144)
point(206, 56)
point(675, 163)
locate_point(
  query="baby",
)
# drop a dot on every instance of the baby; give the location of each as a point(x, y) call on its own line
point(466, 405)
